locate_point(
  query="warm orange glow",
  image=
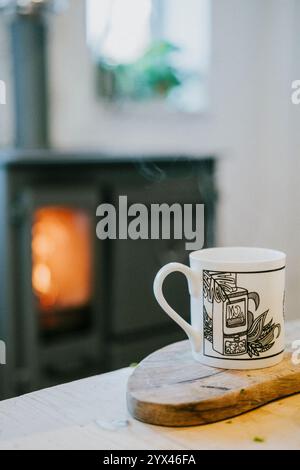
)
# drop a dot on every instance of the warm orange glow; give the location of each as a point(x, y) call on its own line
point(61, 258)
point(41, 278)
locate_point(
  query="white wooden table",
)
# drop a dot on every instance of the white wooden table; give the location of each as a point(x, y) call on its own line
point(92, 414)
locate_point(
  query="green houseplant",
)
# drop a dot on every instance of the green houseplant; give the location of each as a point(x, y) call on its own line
point(150, 76)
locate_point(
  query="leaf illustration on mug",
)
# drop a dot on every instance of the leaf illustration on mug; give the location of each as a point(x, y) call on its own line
point(217, 286)
point(207, 326)
point(261, 336)
point(256, 328)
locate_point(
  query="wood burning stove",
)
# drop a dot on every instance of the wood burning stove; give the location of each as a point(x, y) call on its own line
point(66, 298)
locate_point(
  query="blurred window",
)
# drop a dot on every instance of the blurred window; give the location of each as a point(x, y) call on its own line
point(152, 49)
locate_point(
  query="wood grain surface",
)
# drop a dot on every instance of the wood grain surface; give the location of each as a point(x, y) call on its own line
point(91, 414)
point(169, 388)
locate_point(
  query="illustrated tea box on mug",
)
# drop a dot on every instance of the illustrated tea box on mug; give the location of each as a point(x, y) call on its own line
point(230, 306)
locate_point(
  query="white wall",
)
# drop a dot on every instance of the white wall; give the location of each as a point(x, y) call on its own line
point(251, 124)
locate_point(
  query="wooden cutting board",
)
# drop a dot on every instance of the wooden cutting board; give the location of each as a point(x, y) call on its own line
point(169, 388)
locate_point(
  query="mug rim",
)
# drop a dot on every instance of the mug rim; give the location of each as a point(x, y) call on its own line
point(240, 258)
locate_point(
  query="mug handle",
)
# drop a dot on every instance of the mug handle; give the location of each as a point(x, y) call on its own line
point(194, 284)
point(255, 297)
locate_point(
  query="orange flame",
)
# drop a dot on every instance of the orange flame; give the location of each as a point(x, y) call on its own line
point(61, 258)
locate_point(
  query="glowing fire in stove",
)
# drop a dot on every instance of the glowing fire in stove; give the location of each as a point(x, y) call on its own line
point(61, 258)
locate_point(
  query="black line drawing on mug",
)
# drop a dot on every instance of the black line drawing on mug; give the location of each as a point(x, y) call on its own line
point(229, 323)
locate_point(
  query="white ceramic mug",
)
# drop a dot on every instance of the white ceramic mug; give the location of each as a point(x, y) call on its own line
point(237, 306)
